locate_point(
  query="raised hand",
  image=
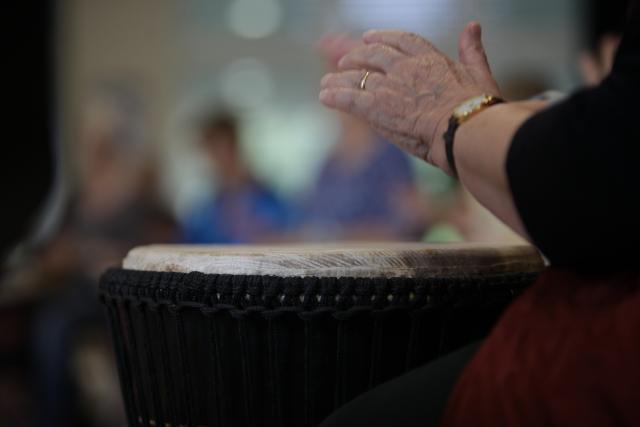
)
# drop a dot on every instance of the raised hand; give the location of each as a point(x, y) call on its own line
point(411, 89)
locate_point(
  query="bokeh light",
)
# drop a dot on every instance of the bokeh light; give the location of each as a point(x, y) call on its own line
point(246, 83)
point(254, 19)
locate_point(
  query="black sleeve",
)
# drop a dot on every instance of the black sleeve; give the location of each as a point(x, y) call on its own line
point(574, 171)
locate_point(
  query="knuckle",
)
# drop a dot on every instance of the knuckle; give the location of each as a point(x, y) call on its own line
point(377, 50)
point(347, 59)
point(410, 37)
point(380, 81)
point(333, 78)
point(413, 38)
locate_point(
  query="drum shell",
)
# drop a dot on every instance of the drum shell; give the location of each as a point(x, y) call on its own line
point(223, 350)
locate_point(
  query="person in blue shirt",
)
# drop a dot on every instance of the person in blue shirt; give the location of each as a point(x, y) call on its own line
point(364, 191)
point(243, 210)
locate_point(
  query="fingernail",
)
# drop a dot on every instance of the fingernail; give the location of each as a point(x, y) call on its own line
point(368, 34)
point(476, 28)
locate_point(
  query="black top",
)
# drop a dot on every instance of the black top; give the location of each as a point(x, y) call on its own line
point(574, 169)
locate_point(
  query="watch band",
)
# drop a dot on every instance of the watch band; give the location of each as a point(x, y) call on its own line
point(465, 111)
point(448, 144)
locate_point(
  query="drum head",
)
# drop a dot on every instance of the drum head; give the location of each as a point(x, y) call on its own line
point(417, 260)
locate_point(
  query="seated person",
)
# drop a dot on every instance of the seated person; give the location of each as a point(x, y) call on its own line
point(243, 210)
point(363, 191)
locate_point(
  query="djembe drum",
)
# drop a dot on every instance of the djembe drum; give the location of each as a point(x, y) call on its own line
point(282, 336)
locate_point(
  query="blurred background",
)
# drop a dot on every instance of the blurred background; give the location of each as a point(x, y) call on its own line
point(197, 121)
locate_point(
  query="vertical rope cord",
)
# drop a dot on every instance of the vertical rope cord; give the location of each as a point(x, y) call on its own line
point(217, 417)
point(444, 328)
point(165, 362)
point(218, 386)
point(274, 372)
point(412, 344)
point(309, 398)
point(143, 417)
point(351, 302)
point(153, 373)
point(184, 366)
point(246, 373)
point(341, 377)
point(215, 412)
point(376, 348)
point(123, 365)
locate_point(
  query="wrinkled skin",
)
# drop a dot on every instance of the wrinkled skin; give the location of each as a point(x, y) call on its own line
point(413, 87)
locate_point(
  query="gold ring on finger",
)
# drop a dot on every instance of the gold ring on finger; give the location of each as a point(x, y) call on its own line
point(363, 81)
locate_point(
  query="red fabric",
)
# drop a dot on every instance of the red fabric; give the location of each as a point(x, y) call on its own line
point(566, 353)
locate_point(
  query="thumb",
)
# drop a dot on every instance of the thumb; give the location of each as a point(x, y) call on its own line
point(471, 52)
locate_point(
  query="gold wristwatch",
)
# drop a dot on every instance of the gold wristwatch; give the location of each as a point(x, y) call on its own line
point(462, 113)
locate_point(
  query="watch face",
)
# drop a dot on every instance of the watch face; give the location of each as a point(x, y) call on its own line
point(470, 106)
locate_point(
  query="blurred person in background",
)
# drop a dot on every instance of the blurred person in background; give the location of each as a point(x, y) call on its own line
point(115, 204)
point(363, 191)
point(366, 189)
point(242, 209)
point(113, 209)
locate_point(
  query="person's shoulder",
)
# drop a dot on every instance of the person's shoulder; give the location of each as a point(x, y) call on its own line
point(263, 193)
point(204, 208)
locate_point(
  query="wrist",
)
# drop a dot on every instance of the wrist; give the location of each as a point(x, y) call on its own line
point(488, 133)
point(461, 114)
point(439, 158)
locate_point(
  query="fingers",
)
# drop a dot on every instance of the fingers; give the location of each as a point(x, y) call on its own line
point(471, 51)
point(409, 43)
point(371, 57)
point(354, 101)
point(351, 79)
point(334, 46)
point(361, 104)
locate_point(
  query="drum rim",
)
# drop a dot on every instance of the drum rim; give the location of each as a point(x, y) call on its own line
point(410, 260)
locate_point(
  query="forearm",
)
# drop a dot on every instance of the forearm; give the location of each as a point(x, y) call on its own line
point(480, 149)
